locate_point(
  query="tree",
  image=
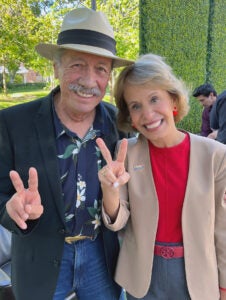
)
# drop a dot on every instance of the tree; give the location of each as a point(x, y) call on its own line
point(124, 17)
point(17, 24)
point(49, 16)
point(25, 23)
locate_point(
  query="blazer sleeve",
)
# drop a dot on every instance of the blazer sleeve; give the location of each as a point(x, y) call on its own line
point(123, 213)
point(220, 219)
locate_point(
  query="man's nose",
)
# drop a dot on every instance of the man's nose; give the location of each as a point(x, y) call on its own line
point(89, 76)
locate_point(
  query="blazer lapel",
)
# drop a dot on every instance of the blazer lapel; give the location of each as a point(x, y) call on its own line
point(142, 181)
point(46, 138)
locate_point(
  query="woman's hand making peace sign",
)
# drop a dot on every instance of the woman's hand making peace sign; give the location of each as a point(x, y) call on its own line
point(112, 176)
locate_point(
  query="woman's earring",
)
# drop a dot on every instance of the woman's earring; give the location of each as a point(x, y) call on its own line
point(175, 111)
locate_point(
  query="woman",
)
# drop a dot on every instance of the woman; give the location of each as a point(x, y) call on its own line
point(172, 209)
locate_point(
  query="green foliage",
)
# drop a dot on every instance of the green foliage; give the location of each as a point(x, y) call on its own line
point(17, 24)
point(167, 33)
point(26, 87)
point(192, 122)
point(124, 17)
point(184, 32)
point(25, 23)
point(18, 79)
point(218, 58)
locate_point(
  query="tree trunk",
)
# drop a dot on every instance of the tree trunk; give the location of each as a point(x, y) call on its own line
point(4, 81)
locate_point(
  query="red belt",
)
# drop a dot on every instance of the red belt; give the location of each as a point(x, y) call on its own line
point(169, 252)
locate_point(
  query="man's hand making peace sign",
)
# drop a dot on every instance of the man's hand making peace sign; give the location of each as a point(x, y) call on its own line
point(25, 204)
point(112, 176)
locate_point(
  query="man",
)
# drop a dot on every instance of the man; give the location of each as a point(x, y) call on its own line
point(218, 117)
point(5, 265)
point(5, 246)
point(51, 201)
point(206, 95)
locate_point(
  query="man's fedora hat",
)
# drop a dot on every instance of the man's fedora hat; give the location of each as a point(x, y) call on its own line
point(88, 31)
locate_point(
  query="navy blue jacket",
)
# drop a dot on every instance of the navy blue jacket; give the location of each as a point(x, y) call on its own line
point(218, 117)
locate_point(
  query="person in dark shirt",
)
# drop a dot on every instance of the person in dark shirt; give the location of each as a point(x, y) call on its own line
point(206, 95)
point(51, 202)
point(218, 117)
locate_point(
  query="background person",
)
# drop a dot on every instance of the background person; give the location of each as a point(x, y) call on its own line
point(172, 208)
point(5, 249)
point(51, 201)
point(5, 265)
point(218, 117)
point(206, 95)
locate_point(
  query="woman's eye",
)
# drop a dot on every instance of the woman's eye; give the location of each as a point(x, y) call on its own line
point(134, 107)
point(153, 99)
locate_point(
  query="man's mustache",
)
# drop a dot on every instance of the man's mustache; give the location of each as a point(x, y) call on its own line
point(84, 90)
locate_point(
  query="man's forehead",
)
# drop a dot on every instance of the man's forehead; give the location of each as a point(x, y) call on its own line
point(72, 55)
point(202, 97)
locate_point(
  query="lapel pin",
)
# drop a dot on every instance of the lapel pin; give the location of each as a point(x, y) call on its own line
point(138, 167)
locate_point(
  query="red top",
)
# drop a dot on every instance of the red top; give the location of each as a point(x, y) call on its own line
point(170, 171)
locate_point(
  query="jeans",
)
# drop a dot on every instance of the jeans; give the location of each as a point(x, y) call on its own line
point(84, 271)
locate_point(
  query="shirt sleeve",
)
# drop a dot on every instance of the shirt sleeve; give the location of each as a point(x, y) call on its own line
point(214, 124)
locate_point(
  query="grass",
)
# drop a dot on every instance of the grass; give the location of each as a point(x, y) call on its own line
point(21, 94)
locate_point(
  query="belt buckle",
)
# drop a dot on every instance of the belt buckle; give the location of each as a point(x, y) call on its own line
point(167, 252)
point(76, 238)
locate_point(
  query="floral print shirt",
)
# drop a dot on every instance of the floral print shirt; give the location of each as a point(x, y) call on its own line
point(79, 161)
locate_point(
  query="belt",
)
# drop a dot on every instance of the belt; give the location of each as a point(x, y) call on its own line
point(169, 252)
point(76, 238)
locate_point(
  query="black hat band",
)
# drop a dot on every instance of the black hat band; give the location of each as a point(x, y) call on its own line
point(87, 37)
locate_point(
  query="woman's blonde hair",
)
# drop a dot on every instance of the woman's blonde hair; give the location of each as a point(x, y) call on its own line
point(149, 69)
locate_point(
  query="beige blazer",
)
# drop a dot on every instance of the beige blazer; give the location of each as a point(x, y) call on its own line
point(203, 220)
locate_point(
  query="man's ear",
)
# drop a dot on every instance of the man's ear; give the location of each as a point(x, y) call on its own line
point(56, 70)
point(211, 94)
